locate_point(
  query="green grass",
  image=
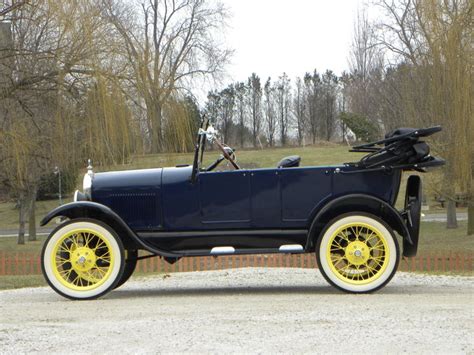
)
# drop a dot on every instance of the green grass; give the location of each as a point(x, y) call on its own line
point(327, 154)
point(10, 247)
point(9, 214)
point(435, 238)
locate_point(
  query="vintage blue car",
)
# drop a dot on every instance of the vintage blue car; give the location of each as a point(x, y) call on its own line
point(343, 213)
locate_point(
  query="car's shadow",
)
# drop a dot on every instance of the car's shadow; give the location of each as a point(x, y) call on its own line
point(226, 291)
point(269, 290)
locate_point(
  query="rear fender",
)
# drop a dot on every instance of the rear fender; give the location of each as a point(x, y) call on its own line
point(412, 214)
point(87, 209)
point(357, 202)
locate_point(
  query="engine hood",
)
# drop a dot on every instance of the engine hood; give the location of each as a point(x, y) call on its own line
point(133, 194)
point(127, 180)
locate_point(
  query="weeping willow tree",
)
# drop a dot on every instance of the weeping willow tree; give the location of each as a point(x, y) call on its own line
point(433, 40)
point(109, 132)
point(181, 119)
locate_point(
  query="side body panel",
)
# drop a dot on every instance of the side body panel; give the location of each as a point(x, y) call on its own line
point(261, 208)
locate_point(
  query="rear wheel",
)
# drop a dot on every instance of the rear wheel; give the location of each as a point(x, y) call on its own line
point(83, 259)
point(357, 253)
point(130, 264)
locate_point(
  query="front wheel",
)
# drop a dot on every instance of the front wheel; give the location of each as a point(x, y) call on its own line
point(83, 259)
point(357, 253)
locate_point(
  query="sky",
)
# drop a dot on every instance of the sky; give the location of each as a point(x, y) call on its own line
point(275, 36)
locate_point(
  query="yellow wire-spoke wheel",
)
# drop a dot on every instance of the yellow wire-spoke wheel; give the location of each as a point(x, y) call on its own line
point(358, 253)
point(83, 259)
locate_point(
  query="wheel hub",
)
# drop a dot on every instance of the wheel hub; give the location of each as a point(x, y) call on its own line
point(83, 259)
point(357, 252)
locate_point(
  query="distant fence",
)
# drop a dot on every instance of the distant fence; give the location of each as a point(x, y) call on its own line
point(22, 263)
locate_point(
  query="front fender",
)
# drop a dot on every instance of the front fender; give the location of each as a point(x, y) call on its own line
point(94, 210)
point(362, 203)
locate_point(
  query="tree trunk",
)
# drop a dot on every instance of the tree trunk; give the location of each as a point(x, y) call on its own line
point(451, 221)
point(155, 117)
point(470, 209)
point(22, 219)
point(470, 218)
point(32, 219)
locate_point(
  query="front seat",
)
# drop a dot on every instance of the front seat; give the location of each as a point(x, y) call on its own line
point(292, 161)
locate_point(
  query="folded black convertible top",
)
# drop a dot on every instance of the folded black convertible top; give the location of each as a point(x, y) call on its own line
point(400, 149)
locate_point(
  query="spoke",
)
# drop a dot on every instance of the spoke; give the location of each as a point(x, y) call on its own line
point(371, 236)
point(337, 245)
point(87, 238)
point(67, 273)
point(74, 281)
point(63, 248)
point(61, 263)
point(106, 259)
point(377, 245)
point(376, 262)
point(343, 235)
point(354, 232)
point(60, 258)
point(74, 242)
point(99, 244)
point(337, 260)
point(372, 271)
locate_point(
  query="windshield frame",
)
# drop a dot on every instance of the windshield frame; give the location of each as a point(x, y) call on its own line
point(199, 149)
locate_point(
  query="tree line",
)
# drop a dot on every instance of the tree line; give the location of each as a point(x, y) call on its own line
point(258, 114)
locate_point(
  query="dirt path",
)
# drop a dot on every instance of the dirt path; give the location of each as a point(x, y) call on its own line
point(247, 310)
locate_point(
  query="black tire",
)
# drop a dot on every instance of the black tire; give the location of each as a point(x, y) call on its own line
point(357, 252)
point(130, 264)
point(96, 262)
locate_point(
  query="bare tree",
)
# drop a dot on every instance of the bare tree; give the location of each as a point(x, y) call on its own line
point(167, 42)
point(255, 98)
point(270, 112)
point(330, 86)
point(241, 105)
point(313, 98)
point(283, 102)
point(299, 109)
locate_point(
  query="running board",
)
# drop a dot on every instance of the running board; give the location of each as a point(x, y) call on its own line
point(228, 250)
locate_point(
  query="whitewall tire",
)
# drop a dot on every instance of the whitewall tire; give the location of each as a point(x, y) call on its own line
point(357, 252)
point(82, 259)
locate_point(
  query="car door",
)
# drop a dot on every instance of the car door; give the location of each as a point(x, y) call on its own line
point(265, 198)
point(302, 190)
point(224, 198)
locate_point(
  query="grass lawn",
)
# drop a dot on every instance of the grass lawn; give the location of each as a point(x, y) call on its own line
point(435, 238)
point(9, 214)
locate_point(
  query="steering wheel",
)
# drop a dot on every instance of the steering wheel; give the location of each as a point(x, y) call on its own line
point(227, 153)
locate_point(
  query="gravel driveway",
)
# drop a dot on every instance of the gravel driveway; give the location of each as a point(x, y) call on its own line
point(245, 310)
